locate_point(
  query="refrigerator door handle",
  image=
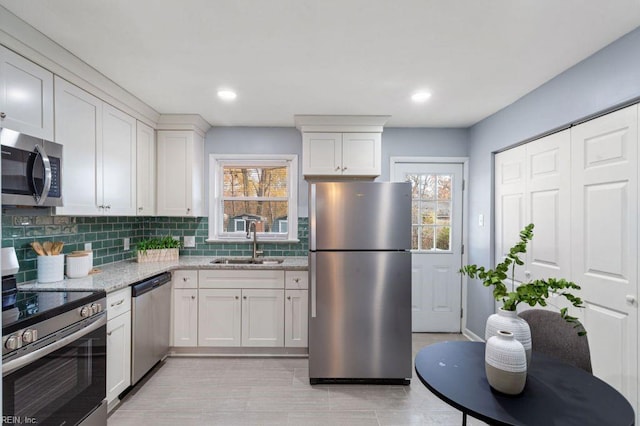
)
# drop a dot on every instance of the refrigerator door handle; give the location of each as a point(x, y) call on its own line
point(312, 217)
point(312, 278)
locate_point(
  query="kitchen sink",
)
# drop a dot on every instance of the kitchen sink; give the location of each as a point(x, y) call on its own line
point(225, 261)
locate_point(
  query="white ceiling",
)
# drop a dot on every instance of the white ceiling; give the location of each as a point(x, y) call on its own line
point(286, 57)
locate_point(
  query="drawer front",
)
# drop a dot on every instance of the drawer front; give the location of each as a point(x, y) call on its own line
point(185, 279)
point(296, 280)
point(118, 303)
point(222, 278)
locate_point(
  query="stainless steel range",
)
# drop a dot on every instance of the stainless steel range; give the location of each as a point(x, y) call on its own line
point(54, 356)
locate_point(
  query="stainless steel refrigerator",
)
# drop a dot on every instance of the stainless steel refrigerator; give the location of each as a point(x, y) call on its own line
point(360, 282)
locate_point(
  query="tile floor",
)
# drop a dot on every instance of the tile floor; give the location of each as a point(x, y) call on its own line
point(276, 391)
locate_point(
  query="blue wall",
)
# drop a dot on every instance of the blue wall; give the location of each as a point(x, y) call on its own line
point(606, 79)
point(422, 142)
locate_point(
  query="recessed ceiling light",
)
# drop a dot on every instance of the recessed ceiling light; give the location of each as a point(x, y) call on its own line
point(227, 95)
point(420, 96)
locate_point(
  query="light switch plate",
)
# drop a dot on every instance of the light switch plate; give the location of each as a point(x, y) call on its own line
point(87, 246)
point(189, 241)
point(480, 220)
point(125, 242)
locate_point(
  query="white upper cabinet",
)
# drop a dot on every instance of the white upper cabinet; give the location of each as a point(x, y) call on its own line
point(118, 162)
point(146, 170)
point(99, 165)
point(346, 146)
point(180, 176)
point(79, 130)
point(342, 154)
point(26, 96)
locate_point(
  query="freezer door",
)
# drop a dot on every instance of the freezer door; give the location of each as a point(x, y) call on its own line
point(360, 216)
point(360, 315)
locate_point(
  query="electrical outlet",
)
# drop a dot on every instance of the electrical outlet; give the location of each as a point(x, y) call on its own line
point(125, 243)
point(189, 241)
point(87, 246)
point(175, 238)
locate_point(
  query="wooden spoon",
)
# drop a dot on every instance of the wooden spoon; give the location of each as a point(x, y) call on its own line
point(47, 246)
point(37, 247)
point(57, 247)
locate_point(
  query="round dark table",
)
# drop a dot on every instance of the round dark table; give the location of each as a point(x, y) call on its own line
point(555, 394)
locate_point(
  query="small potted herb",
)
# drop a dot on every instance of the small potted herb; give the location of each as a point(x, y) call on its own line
point(158, 249)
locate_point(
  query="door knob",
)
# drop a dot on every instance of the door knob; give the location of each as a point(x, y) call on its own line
point(631, 298)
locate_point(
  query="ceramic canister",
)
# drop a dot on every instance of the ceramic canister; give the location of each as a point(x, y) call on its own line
point(50, 268)
point(78, 265)
point(505, 363)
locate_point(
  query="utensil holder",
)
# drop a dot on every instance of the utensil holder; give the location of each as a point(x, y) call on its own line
point(50, 268)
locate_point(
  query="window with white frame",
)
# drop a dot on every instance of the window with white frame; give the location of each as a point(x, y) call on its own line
point(260, 188)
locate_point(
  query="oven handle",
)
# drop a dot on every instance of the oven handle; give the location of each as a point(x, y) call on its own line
point(11, 366)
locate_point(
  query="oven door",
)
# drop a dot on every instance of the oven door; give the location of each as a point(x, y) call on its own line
point(60, 383)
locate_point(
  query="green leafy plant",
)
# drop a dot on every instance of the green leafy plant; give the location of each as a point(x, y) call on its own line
point(158, 243)
point(533, 293)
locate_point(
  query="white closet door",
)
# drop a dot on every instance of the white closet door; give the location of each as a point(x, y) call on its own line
point(510, 187)
point(548, 204)
point(604, 243)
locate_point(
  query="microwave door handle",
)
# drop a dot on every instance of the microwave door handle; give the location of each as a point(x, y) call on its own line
point(42, 197)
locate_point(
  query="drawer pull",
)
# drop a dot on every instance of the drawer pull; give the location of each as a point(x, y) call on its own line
point(296, 280)
point(288, 297)
point(119, 302)
point(185, 279)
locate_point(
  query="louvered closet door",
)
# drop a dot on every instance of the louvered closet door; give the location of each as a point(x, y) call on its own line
point(604, 242)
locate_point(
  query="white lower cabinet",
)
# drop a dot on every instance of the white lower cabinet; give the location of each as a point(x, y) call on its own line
point(296, 317)
point(118, 343)
point(240, 317)
point(185, 317)
point(240, 308)
point(262, 318)
point(219, 317)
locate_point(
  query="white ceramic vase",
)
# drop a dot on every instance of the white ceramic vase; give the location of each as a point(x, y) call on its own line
point(505, 363)
point(510, 321)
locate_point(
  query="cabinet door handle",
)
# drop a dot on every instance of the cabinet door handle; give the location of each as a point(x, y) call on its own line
point(185, 279)
point(296, 280)
point(109, 333)
point(139, 209)
point(288, 297)
point(238, 297)
point(119, 302)
point(3, 115)
point(193, 298)
point(244, 297)
point(338, 169)
point(188, 210)
point(344, 168)
point(108, 206)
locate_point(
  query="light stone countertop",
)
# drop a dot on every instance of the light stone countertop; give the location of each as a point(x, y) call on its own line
point(115, 276)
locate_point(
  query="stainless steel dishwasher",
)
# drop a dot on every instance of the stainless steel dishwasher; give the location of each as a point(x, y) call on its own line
point(150, 328)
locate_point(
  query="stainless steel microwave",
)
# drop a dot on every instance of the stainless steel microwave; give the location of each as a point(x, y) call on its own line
point(31, 170)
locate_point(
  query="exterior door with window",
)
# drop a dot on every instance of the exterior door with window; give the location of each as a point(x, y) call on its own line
point(436, 244)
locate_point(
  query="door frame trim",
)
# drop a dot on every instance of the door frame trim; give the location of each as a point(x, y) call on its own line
point(464, 161)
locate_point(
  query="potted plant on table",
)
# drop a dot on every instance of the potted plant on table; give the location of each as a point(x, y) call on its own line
point(158, 249)
point(532, 293)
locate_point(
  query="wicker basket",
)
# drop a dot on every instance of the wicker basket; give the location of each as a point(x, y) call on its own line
point(158, 255)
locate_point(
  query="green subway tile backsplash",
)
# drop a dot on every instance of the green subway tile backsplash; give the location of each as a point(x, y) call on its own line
point(105, 233)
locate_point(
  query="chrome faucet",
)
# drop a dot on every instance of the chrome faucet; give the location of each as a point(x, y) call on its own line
point(252, 228)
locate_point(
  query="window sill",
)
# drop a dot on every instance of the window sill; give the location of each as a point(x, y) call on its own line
point(248, 241)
